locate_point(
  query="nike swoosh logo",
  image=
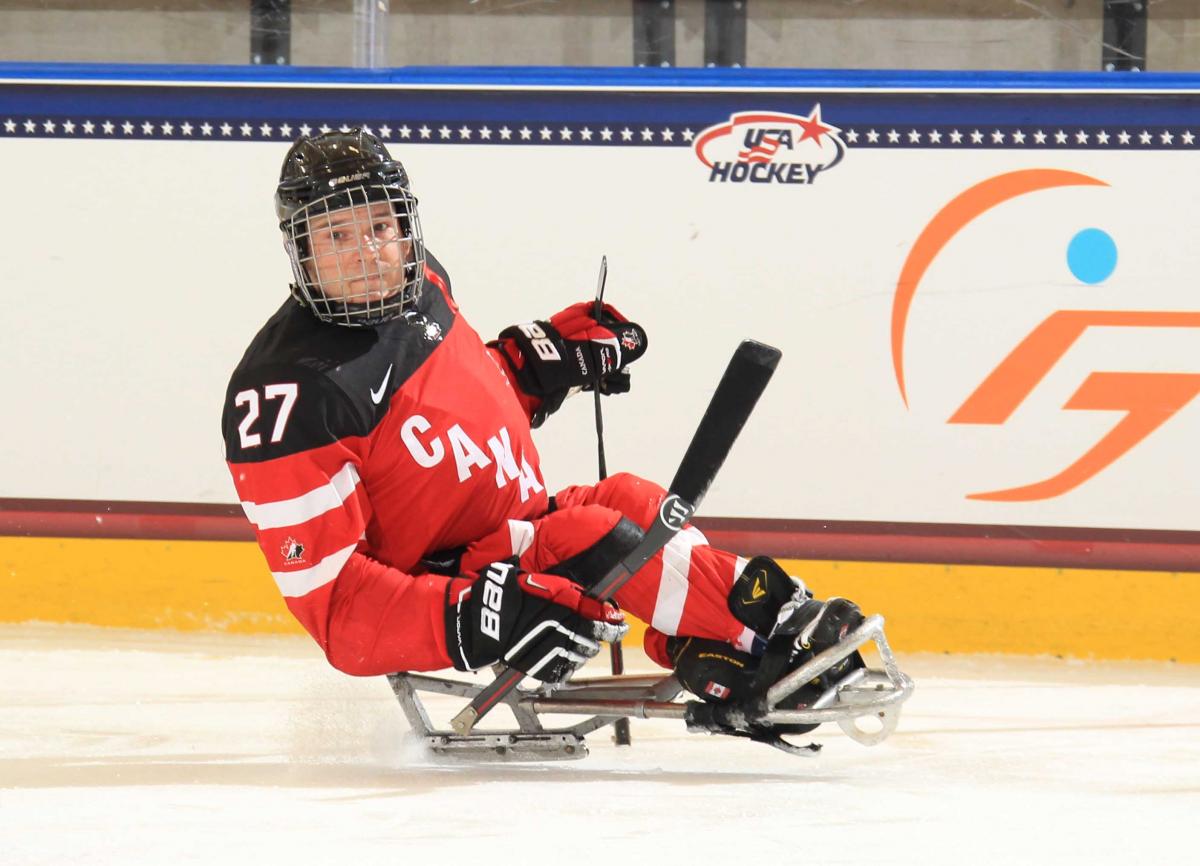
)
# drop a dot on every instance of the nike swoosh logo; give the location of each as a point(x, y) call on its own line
point(376, 396)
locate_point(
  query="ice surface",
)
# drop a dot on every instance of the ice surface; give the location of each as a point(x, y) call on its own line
point(139, 747)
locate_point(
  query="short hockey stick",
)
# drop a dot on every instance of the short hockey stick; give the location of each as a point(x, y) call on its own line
point(743, 383)
point(616, 653)
point(597, 311)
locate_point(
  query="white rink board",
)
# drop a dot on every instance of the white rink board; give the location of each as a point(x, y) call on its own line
point(135, 279)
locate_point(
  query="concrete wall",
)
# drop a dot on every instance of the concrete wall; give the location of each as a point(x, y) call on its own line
point(850, 34)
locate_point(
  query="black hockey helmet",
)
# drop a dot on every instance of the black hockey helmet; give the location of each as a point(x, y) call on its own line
point(350, 268)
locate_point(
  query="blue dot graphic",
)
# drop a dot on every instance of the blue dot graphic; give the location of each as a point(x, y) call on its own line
point(1092, 256)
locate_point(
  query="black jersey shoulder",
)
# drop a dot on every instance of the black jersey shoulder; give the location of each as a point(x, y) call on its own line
point(439, 278)
point(342, 378)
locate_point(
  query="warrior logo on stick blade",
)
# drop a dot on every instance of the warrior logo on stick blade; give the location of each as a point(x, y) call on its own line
point(673, 512)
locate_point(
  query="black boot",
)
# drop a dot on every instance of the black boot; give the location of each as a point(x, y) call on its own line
point(712, 670)
point(805, 629)
point(718, 673)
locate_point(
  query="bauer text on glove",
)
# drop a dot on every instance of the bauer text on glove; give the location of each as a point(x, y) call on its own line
point(540, 624)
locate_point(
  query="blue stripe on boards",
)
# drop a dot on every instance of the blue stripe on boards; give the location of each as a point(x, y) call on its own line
point(594, 107)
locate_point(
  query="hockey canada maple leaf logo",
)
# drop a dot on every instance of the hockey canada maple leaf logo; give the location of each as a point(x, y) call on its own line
point(292, 550)
point(769, 147)
point(430, 330)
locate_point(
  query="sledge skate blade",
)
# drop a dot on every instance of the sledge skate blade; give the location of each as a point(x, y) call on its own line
point(531, 741)
point(508, 747)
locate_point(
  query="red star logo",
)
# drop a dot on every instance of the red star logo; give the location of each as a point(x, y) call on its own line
point(813, 127)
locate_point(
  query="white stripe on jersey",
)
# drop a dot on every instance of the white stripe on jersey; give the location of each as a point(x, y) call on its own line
point(746, 639)
point(673, 586)
point(520, 532)
point(294, 584)
point(303, 508)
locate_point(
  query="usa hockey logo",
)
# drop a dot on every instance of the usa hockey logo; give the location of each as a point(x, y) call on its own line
point(768, 147)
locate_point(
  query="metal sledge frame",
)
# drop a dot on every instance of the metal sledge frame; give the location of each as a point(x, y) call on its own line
point(861, 693)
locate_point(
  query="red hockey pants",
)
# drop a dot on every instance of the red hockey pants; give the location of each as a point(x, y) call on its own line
point(683, 590)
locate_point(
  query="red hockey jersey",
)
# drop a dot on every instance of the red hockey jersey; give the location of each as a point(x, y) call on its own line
point(417, 411)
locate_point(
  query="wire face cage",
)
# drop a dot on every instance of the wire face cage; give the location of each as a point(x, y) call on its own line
point(357, 254)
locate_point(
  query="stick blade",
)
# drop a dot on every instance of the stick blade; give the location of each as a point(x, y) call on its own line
point(745, 379)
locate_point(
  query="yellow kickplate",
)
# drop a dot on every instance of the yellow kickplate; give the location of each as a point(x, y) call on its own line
point(133, 583)
point(1031, 611)
point(225, 586)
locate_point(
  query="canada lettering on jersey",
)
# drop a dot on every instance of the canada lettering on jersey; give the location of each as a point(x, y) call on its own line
point(428, 448)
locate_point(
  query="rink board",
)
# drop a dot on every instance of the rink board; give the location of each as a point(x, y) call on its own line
point(983, 287)
point(226, 587)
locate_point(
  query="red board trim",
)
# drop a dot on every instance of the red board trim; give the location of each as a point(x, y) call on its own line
point(960, 544)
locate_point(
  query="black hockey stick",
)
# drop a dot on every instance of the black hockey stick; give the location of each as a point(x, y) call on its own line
point(616, 653)
point(743, 383)
point(596, 313)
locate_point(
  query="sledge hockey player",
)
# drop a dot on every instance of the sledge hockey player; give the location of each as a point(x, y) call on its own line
point(383, 452)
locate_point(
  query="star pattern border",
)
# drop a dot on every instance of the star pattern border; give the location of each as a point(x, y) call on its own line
point(960, 137)
point(416, 131)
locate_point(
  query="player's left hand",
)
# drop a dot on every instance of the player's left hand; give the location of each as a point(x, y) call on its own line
point(570, 352)
point(610, 343)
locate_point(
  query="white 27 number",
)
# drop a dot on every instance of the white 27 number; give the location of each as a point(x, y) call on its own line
point(288, 391)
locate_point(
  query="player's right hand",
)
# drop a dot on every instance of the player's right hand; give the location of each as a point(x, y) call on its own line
point(541, 624)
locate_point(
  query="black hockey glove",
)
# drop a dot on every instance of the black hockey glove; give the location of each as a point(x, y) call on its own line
point(540, 624)
point(553, 359)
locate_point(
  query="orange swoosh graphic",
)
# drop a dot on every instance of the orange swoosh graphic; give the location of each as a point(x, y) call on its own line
point(1149, 399)
point(999, 395)
point(951, 219)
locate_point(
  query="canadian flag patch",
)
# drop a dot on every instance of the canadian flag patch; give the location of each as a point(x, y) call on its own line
point(716, 690)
